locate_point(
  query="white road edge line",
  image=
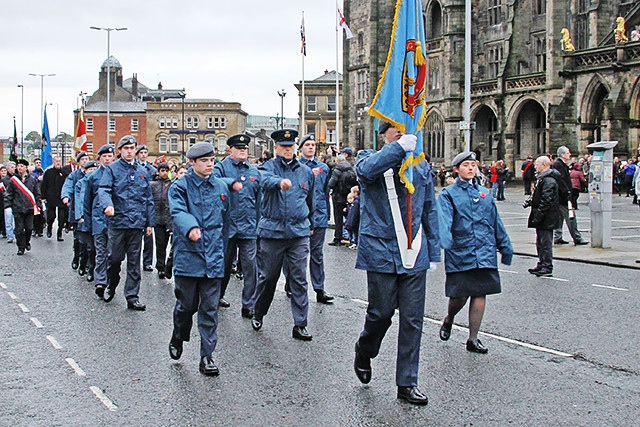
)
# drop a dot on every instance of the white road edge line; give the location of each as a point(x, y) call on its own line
point(3, 286)
point(610, 287)
point(13, 296)
point(554, 278)
point(24, 308)
point(54, 343)
point(75, 367)
point(103, 398)
point(37, 323)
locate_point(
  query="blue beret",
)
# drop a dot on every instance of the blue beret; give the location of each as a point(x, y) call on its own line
point(200, 149)
point(239, 141)
point(91, 164)
point(307, 138)
point(462, 157)
point(285, 136)
point(347, 150)
point(81, 155)
point(126, 140)
point(141, 147)
point(107, 148)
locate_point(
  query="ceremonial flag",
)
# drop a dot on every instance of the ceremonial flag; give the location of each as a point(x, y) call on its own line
point(46, 160)
point(303, 37)
point(81, 133)
point(343, 24)
point(400, 96)
point(13, 155)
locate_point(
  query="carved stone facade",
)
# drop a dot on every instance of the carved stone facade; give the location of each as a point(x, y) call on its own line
point(527, 96)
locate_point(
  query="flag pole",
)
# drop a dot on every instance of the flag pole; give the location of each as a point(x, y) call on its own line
point(303, 127)
point(337, 86)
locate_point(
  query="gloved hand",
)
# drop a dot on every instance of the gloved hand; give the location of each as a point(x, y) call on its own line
point(408, 142)
point(433, 266)
point(507, 258)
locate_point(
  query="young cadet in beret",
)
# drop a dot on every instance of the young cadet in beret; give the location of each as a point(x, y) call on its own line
point(125, 196)
point(470, 233)
point(23, 197)
point(84, 230)
point(66, 196)
point(199, 204)
point(142, 152)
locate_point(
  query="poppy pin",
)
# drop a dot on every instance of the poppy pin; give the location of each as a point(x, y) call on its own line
point(483, 195)
point(142, 176)
point(252, 178)
point(304, 186)
point(222, 197)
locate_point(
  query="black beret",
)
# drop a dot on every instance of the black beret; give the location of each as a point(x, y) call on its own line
point(306, 138)
point(23, 162)
point(383, 127)
point(81, 155)
point(462, 157)
point(284, 136)
point(107, 148)
point(239, 141)
point(141, 147)
point(200, 149)
point(163, 165)
point(91, 164)
point(126, 140)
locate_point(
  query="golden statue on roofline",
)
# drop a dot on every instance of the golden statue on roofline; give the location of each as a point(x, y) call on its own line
point(567, 44)
point(620, 32)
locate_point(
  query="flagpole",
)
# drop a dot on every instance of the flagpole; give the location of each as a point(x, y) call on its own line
point(337, 87)
point(303, 127)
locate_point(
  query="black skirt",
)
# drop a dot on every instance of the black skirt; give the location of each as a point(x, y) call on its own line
point(473, 283)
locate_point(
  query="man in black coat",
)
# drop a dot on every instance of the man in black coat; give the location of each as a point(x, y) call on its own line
point(52, 182)
point(340, 188)
point(564, 194)
point(545, 214)
point(23, 196)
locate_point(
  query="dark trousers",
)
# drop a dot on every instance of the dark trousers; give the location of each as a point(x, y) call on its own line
point(273, 254)
point(63, 212)
point(147, 252)
point(388, 292)
point(101, 247)
point(162, 241)
point(247, 258)
point(544, 245)
point(527, 186)
point(87, 260)
point(38, 222)
point(316, 260)
point(338, 208)
point(201, 295)
point(125, 242)
point(23, 229)
point(572, 225)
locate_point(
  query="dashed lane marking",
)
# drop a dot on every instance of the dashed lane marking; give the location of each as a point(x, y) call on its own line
point(13, 296)
point(103, 398)
point(557, 279)
point(508, 271)
point(24, 308)
point(78, 370)
point(3, 286)
point(54, 343)
point(610, 287)
point(37, 323)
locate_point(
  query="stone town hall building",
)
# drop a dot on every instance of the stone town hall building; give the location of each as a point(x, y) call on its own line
point(528, 96)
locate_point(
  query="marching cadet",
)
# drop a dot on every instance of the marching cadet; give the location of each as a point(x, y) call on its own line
point(199, 205)
point(125, 196)
point(147, 252)
point(244, 216)
point(84, 229)
point(23, 197)
point(67, 198)
point(162, 230)
point(284, 229)
point(95, 212)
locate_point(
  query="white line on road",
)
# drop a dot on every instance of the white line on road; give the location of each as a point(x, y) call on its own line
point(54, 343)
point(24, 308)
point(611, 287)
point(13, 296)
point(75, 367)
point(103, 398)
point(553, 278)
point(508, 271)
point(3, 286)
point(37, 323)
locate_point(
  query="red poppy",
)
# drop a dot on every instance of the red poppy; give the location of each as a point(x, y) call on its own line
point(304, 186)
point(483, 195)
point(252, 178)
point(222, 197)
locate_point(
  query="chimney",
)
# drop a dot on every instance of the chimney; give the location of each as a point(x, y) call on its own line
point(159, 85)
point(134, 85)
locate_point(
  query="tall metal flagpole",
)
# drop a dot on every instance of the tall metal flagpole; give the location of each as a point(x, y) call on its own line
point(337, 86)
point(303, 34)
point(467, 77)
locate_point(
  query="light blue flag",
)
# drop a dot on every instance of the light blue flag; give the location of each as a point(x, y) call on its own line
point(46, 160)
point(400, 96)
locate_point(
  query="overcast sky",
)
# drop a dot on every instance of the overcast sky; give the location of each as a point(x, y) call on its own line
point(234, 50)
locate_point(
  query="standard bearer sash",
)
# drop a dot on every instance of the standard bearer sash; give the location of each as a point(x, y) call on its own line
point(408, 256)
point(26, 192)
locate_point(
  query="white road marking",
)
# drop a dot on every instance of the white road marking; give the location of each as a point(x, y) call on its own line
point(554, 278)
point(611, 287)
point(75, 367)
point(13, 296)
point(359, 301)
point(508, 271)
point(3, 286)
point(24, 308)
point(37, 323)
point(54, 343)
point(103, 398)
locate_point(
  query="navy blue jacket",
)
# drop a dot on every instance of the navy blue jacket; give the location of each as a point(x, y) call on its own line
point(286, 214)
point(91, 205)
point(125, 186)
point(377, 243)
point(68, 190)
point(79, 197)
point(201, 203)
point(245, 204)
point(320, 192)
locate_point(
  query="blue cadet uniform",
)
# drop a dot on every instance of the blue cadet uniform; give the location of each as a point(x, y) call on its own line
point(244, 216)
point(202, 203)
point(84, 228)
point(391, 285)
point(125, 186)
point(284, 229)
point(147, 239)
point(94, 211)
point(68, 190)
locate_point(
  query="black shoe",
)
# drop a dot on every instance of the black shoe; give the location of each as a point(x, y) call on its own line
point(147, 268)
point(175, 348)
point(207, 367)
point(168, 274)
point(49, 234)
point(335, 243)
point(287, 290)
point(445, 330)
point(82, 271)
point(581, 242)
point(323, 297)
point(28, 247)
point(20, 252)
point(109, 293)
point(74, 264)
point(89, 276)
point(247, 313)
point(60, 239)
point(301, 333)
point(100, 291)
point(224, 303)
point(560, 242)
point(476, 347)
point(543, 273)
point(534, 270)
point(136, 305)
point(161, 275)
point(362, 366)
point(256, 323)
point(240, 275)
point(412, 395)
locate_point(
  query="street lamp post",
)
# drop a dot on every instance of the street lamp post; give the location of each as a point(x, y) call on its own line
point(108, 30)
point(21, 121)
point(42, 76)
point(282, 94)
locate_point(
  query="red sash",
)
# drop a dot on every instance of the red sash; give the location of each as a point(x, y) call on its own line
point(26, 192)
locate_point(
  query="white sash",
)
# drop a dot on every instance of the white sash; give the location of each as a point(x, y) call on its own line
point(408, 256)
point(26, 192)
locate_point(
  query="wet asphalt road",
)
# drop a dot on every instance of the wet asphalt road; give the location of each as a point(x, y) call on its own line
point(61, 347)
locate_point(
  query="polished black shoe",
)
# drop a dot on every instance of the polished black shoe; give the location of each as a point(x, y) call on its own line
point(543, 273)
point(147, 268)
point(109, 293)
point(60, 239)
point(175, 348)
point(323, 297)
point(49, 234)
point(240, 275)
point(207, 367)
point(580, 242)
point(560, 242)
point(168, 274)
point(476, 347)
point(224, 303)
point(161, 275)
point(89, 277)
point(20, 252)
point(74, 264)
point(362, 366)
point(412, 395)
point(100, 291)
point(247, 313)
point(301, 333)
point(136, 305)
point(256, 323)
point(287, 289)
point(335, 243)
point(534, 270)
point(28, 247)
point(81, 271)
point(445, 329)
